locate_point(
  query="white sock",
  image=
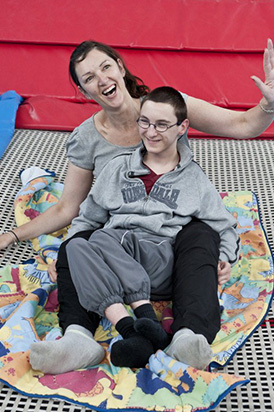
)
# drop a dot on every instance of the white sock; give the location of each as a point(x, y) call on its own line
point(190, 348)
point(75, 350)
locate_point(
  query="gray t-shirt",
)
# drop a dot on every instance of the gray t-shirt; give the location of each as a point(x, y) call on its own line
point(88, 149)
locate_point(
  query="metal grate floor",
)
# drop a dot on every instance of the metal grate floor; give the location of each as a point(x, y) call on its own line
point(231, 165)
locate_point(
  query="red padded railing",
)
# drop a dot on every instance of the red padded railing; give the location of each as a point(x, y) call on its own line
point(207, 49)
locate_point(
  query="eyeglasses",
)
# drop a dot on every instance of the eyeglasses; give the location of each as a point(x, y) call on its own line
point(158, 126)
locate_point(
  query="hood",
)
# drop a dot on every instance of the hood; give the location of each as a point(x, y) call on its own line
point(137, 168)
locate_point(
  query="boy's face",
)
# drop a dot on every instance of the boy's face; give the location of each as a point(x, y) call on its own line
point(160, 114)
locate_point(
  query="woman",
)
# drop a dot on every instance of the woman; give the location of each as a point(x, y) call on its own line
point(100, 74)
point(116, 122)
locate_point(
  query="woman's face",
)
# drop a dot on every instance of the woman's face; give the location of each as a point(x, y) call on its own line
point(102, 79)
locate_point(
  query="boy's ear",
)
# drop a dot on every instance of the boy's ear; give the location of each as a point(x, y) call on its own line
point(183, 126)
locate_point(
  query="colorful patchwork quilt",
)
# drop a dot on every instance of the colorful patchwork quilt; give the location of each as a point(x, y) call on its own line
point(29, 307)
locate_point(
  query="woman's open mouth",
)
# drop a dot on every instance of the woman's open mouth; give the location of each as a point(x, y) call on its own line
point(110, 90)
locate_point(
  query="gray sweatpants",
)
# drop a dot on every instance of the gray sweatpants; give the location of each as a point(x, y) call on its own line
point(120, 266)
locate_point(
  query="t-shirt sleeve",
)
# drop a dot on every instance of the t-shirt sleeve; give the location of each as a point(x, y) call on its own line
point(185, 96)
point(79, 151)
point(184, 137)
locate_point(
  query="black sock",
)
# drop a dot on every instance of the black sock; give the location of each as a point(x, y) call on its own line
point(145, 311)
point(153, 330)
point(133, 352)
point(125, 327)
point(148, 325)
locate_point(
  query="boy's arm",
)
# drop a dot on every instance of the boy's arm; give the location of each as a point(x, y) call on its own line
point(92, 215)
point(104, 197)
point(212, 211)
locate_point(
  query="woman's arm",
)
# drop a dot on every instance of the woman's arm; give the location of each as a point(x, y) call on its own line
point(77, 185)
point(218, 121)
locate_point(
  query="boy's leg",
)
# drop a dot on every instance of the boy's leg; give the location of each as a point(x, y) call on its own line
point(137, 346)
point(104, 273)
point(195, 301)
point(62, 355)
point(134, 350)
point(148, 325)
point(71, 312)
point(104, 278)
point(155, 254)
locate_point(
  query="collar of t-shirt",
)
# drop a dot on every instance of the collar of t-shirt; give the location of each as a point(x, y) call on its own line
point(149, 179)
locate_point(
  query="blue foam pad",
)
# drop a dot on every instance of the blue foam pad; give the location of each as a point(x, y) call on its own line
point(9, 103)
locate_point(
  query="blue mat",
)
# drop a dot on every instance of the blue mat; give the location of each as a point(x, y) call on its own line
point(9, 103)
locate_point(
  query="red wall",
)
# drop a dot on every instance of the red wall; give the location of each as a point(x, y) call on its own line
point(206, 48)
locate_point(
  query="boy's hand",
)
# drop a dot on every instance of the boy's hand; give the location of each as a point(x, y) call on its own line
point(224, 272)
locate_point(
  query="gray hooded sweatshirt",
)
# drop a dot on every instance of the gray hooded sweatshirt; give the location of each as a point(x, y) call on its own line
point(118, 199)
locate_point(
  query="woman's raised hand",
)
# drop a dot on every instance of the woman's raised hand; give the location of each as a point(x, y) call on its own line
point(267, 87)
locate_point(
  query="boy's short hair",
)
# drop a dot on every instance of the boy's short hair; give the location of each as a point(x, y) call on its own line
point(169, 95)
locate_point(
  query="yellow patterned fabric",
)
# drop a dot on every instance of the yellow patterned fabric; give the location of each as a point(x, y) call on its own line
point(28, 313)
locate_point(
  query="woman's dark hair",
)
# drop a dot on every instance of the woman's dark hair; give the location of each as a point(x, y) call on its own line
point(166, 94)
point(134, 84)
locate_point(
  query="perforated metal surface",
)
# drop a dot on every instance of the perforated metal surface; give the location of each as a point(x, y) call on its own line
point(231, 165)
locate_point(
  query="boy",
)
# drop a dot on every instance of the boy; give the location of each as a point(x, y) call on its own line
point(142, 200)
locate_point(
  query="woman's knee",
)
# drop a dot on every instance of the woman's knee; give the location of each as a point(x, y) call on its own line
point(77, 242)
point(197, 234)
point(62, 260)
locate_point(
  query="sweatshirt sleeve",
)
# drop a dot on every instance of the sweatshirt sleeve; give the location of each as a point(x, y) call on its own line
point(92, 215)
point(213, 212)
